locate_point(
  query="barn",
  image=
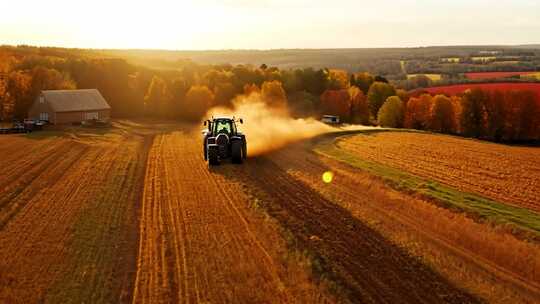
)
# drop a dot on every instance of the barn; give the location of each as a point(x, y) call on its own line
point(69, 106)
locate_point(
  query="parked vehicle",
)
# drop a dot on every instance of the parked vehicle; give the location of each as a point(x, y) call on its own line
point(330, 119)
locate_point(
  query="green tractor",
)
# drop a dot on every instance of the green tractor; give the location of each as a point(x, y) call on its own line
point(222, 140)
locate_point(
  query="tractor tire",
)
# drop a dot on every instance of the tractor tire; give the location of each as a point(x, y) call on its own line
point(213, 159)
point(236, 149)
point(205, 148)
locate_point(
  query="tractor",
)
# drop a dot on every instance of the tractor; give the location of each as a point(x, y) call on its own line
point(222, 140)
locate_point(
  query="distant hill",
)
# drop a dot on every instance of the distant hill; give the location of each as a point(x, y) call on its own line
point(383, 61)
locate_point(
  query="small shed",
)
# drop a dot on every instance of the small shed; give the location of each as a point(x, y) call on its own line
point(70, 106)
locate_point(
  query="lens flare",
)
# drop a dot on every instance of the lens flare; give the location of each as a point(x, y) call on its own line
point(327, 177)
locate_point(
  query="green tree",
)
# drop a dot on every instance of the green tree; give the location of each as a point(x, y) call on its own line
point(377, 95)
point(391, 113)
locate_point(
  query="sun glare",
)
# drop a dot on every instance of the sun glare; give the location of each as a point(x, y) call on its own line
point(328, 176)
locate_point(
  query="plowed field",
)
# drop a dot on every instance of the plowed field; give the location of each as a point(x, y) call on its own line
point(134, 214)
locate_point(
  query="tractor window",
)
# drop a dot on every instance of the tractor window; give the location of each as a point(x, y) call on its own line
point(223, 126)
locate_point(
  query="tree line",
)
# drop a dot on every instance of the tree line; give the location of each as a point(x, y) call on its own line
point(188, 90)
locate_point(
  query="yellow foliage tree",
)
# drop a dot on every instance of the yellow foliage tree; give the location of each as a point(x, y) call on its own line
point(391, 113)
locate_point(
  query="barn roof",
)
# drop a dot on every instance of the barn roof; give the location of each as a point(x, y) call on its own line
point(75, 100)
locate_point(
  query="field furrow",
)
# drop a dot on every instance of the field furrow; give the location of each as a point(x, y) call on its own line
point(504, 173)
point(200, 242)
point(69, 240)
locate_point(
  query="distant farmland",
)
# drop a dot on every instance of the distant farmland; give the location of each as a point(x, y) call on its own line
point(458, 89)
point(493, 75)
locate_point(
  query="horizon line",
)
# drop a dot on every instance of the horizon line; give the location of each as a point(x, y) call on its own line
point(534, 45)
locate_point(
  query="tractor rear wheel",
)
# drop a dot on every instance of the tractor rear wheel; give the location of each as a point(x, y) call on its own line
point(236, 149)
point(213, 159)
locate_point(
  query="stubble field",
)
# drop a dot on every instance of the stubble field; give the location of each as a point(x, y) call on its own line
point(133, 214)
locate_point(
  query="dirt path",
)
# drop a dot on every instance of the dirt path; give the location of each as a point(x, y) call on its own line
point(200, 243)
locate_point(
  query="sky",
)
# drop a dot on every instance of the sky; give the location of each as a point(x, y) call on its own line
point(265, 24)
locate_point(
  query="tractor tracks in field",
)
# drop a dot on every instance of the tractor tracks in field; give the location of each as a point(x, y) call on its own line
point(198, 244)
point(436, 231)
point(365, 266)
point(73, 235)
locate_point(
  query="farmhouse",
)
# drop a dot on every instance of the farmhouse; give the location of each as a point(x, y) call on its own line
point(70, 106)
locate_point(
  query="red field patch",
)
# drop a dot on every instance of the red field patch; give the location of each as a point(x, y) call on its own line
point(505, 86)
point(493, 75)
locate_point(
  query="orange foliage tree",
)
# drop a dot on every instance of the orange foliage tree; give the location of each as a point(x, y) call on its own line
point(359, 110)
point(522, 111)
point(473, 112)
point(199, 99)
point(273, 93)
point(417, 112)
point(442, 115)
point(157, 97)
point(336, 102)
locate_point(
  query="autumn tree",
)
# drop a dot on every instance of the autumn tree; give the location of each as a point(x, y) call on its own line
point(199, 99)
point(251, 89)
point(273, 93)
point(359, 110)
point(472, 112)
point(363, 81)
point(337, 103)
point(417, 112)
point(337, 79)
point(391, 113)
point(157, 97)
point(377, 95)
point(522, 111)
point(442, 115)
point(18, 94)
point(224, 94)
point(403, 95)
point(495, 115)
point(178, 89)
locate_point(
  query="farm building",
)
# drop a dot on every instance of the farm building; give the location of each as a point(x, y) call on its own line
point(70, 106)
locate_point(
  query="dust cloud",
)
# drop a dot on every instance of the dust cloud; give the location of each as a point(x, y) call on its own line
point(267, 128)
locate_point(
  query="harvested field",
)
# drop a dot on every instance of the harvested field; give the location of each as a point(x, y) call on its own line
point(133, 214)
point(67, 214)
point(504, 173)
point(201, 243)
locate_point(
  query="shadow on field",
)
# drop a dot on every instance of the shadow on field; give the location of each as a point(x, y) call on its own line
point(359, 262)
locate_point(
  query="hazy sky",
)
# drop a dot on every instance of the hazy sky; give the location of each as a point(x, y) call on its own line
point(265, 24)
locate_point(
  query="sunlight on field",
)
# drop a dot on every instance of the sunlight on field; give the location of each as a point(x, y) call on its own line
point(327, 177)
point(433, 77)
point(532, 75)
